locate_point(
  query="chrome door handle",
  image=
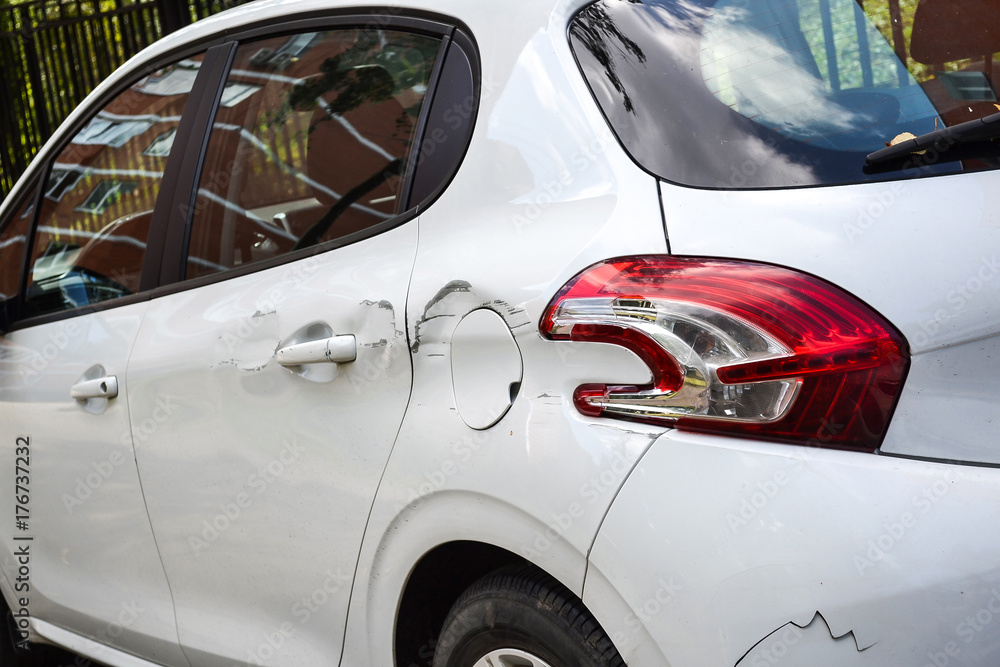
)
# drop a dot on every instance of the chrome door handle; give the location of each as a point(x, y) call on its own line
point(337, 350)
point(105, 387)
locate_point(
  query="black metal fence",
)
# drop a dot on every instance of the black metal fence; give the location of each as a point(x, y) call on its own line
point(54, 52)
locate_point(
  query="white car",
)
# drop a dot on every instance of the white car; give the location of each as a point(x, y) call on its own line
point(535, 334)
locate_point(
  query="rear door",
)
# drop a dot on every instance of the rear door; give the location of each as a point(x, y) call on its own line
point(282, 351)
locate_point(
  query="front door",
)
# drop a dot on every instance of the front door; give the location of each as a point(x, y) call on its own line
point(84, 547)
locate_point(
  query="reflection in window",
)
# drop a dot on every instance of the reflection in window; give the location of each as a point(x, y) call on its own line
point(783, 93)
point(322, 151)
point(94, 221)
point(61, 180)
point(798, 70)
point(175, 80)
point(105, 194)
point(12, 240)
point(115, 132)
point(162, 144)
point(234, 93)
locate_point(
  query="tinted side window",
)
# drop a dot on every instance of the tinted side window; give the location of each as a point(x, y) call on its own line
point(310, 143)
point(13, 238)
point(98, 203)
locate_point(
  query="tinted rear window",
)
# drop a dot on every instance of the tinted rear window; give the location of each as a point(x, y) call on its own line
point(779, 93)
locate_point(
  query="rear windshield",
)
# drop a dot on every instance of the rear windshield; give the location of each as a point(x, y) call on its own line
point(779, 93)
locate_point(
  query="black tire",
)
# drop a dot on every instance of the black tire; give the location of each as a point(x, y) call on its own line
point(523, 609)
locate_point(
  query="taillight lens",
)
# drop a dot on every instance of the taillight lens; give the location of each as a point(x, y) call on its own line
point(736, 348)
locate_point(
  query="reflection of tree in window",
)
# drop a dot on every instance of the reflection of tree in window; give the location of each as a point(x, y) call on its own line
point(325, 139)
point(105, 195)
point(367, 73)
point(597, 31)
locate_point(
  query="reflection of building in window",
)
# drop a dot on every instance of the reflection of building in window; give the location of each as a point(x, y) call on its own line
point(161, 145)
point(175, 80)
point(105, 195)
point(60, 182)
point(234, 93)
point(104, 130)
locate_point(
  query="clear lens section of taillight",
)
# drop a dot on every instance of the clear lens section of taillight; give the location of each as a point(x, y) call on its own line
point(736, 347)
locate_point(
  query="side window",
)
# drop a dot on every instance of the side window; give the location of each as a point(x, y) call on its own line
point(98, 203)
point(310, 143)
point(13, 237)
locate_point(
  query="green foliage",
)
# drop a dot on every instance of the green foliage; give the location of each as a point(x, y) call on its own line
point(74, 45)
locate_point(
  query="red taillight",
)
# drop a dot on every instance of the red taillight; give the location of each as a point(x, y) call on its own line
point(736, 348)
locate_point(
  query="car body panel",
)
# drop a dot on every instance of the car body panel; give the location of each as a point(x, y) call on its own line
point(259, 515)
point(542, 170)
point(777, 534)
point(946, 388)
point(93, 562)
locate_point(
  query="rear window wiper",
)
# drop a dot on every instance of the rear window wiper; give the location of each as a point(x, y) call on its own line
point(916, 152)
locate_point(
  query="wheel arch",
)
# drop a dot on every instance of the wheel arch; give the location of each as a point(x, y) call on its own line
point(435, 582)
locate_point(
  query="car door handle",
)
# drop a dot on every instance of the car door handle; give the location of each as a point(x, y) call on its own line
point(337, 350)
point(105, 387)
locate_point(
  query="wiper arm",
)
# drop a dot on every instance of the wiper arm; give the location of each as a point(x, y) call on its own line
point(981, 129)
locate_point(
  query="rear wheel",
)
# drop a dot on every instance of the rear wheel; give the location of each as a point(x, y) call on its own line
point(520, 617)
